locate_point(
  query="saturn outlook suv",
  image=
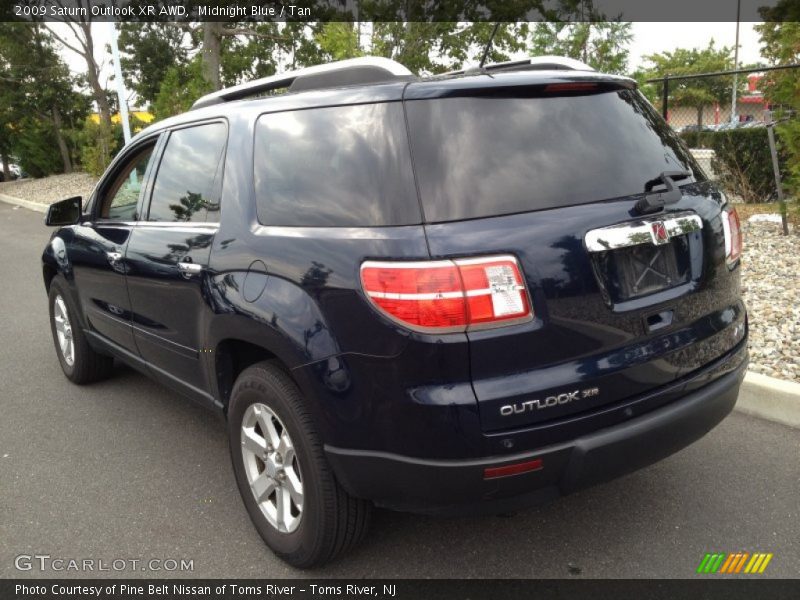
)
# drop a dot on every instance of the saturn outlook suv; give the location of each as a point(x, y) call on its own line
point(460, 294)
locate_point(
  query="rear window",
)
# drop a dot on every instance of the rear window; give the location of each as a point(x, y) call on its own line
point(345, 166)
point(483, 156)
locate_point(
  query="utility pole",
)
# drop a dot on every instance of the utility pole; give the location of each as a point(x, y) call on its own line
point(358, 28)
point(121, 93)
point(776, 169)
point(735, 63)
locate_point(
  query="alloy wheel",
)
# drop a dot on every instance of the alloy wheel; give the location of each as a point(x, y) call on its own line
point(64, 330)
point(272, 469)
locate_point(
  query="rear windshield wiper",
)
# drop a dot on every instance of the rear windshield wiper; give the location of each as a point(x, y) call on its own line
point(657, 200)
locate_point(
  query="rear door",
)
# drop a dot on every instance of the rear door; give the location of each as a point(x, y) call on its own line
point(550, 173)
point(168, 254)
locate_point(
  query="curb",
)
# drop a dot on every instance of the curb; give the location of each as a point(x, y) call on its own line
point(770, 398)
point(35, 206)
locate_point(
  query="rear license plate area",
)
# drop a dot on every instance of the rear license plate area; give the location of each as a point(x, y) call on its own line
point(637, 271)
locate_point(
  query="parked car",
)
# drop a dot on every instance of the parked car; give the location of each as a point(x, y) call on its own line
point(467, 293)
point(690, 128)
point(14, 171)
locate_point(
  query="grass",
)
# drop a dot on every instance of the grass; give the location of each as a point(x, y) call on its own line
point(748, 210)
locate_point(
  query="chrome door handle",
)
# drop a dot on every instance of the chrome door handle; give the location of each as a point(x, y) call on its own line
point(114, 257)
point(189, 268)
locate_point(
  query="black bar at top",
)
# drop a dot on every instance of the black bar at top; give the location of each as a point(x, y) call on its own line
point(399, 10)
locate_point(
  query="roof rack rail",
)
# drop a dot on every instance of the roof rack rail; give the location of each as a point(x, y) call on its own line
point(354, 71)
point(538, 63)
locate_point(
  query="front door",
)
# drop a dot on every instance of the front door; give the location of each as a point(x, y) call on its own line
point(168, 254)
point(98, 248)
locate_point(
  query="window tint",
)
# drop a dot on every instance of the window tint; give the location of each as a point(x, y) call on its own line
point(339, 167)
point(482, 156)
point(189, 180)
point(120, 199)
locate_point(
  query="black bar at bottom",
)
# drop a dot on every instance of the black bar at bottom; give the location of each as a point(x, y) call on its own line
point(709, 587)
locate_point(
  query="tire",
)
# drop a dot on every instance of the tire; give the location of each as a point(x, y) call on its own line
point(330, 521)
point(83, 364)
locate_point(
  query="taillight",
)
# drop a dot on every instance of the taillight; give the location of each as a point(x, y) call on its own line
point(733, 235)
point(571, 86)
point(448, 295)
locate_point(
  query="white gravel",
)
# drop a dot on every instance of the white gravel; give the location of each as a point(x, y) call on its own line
point(771, 289)
point(50, 189)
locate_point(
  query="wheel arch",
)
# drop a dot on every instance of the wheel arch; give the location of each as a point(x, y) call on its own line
point(55, 259)
point(48, 273)
point(234, 355)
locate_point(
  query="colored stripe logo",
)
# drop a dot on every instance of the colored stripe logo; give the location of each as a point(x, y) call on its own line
point(737, 562)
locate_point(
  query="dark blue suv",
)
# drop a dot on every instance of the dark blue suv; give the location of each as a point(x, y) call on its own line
point(466, 293)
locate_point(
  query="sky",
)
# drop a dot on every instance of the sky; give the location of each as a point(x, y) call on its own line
point(648, 38)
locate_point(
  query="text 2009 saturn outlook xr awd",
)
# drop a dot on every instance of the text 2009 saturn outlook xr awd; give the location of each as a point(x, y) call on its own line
point(465, 293)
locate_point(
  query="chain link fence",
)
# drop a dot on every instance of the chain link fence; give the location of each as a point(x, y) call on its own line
point(726, 117)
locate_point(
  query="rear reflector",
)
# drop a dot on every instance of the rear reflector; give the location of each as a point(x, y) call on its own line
point(516, 469)
point(733, 235)
point(448, 295)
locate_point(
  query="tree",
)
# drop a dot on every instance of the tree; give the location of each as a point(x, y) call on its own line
point(215, 37)
point(148, 51)
point(697, 93)
point(39, 108)
point(338, 40)
point(601, 45)
point(252, 56)
point(182, 85)
point(509, 39)
point(7, 116)
point(83, 46)
point(243, 54)
point(436, 47)
point(300, 46)
point(419, 46)
point(780, 39)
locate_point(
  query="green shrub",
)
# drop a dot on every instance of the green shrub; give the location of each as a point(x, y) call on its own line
point(99, 144)
point(98, 147)
point(37, 148)
point(789, 134)
point(742, 160)
point(118, 134)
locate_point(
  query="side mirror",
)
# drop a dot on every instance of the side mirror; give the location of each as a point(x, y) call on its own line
point(64, 212)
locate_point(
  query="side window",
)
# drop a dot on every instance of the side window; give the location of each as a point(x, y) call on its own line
point(189, 180)
point(344, 166)
point(119, 200)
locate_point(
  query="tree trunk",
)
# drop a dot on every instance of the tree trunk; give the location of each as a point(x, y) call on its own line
point(93, 76)
point(586, 35)
point(6, 168)
point(700, 115)
point(212, 49)
point(62, 144)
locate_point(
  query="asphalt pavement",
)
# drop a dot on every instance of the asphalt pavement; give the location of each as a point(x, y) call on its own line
point(125, 469)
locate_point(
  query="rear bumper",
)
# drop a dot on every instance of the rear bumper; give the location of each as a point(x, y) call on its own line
point(458, 486)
